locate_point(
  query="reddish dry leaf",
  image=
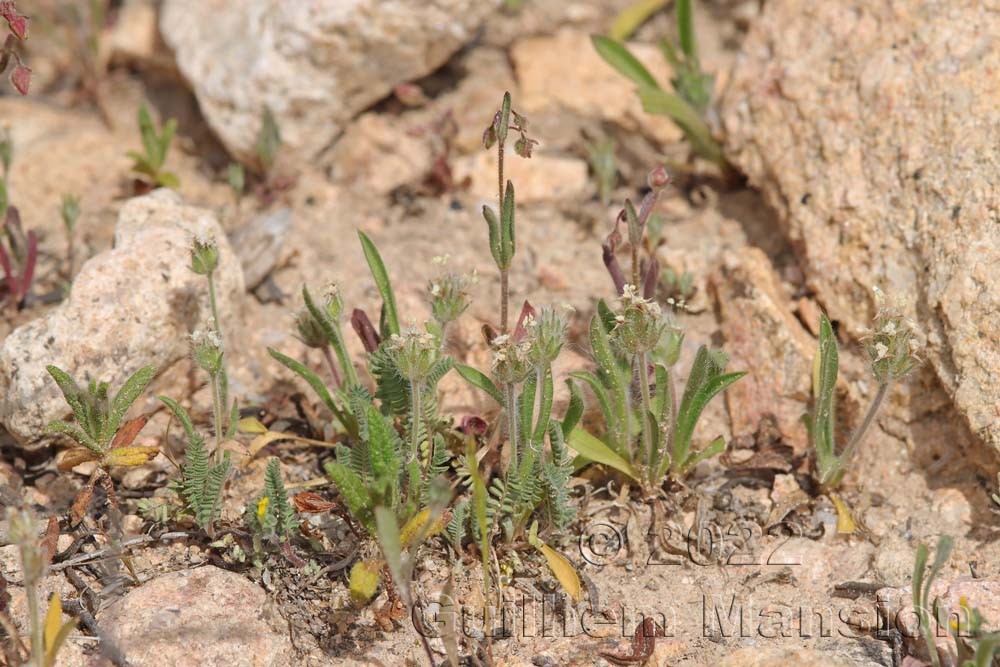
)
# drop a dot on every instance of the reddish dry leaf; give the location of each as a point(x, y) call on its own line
point(128, 433)
point(643, 643)
point(51, 540)
point(311, 503)
point(82, 500)
point(20, 78)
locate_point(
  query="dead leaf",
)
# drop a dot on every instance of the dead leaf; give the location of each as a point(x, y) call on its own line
point(311, 503)
point(128, 432)
point(71, 458)
point(136, 455)
point(643, 644)
point(51, 540)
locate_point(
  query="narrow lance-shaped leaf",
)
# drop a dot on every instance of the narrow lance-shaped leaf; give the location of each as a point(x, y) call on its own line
point(507, 239)
point(595, 450)
point(504, 118)
point(381, 276)
point(480, 381)
point(71, 392)
point(388, 539)
point(685, 28)
point(494, 233)
point(333, 335)
point(574, 410)
point(125, 397)
point(354, 493)
point(618, 56)
point(544, 408)
point(317, 384)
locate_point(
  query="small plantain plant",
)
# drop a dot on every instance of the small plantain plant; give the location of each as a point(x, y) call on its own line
point(155, 145)
point(99, 432)
point(891, 347)
point(689, 105)
point(636, 347)
point(923, 605)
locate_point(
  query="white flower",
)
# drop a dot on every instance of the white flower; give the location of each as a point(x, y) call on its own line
point(881, 350)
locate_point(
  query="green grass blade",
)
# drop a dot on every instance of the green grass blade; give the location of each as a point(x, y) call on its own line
point(381, 277)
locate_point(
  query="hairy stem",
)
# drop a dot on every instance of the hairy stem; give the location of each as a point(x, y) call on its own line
point(37, 624)
point(642, 362)
point(414, 420)
point(512, 424)
point(217, 408)
point(328, 356)
point(215, 308)
point(504, 299)
point(859, 434)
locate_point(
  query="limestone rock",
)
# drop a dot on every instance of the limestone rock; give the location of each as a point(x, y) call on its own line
point(871, 129)
point(315, 65)
point(130, 306)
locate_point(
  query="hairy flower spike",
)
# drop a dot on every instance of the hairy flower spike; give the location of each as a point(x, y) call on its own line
point(207, 349)
point(546, 334)
point(204, 255)
point(448, 296)
point(511, 359)
point(891, 343)
point(638, 324)
point(414, 352)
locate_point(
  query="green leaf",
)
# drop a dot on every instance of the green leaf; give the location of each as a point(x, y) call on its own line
point(58, 426)
point(126, 396)
point(479, 380)
point(348, 423)
point(168, 179)
point(507, 244)
point(381, 277)
point(382, 455)
point(716, 447)
point(494, 230)
point(544, 408)
point(148, 134)
point(595, 450)
point(166, 136)
point(388, 539)
point(182, 416)
point(704, 382)
point(574, 410)
point(71, 392)
point(825, 369)
point(608, 373)
point(504, 118)
point(618, 56)
point(685, 29)
point(354, 493)
point(610, 417)
point(657, 101)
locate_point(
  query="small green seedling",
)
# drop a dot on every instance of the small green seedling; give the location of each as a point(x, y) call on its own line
point(688, 105)
point(268, 141)
point(891, 348)
point(100, 433)
point(271, 517)
point(203, 474)
point(149, 164)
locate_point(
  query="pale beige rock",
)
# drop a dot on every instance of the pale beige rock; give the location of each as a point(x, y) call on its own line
point(763, 337)
point(871, 129)
point(201, 617)
point(564, 71)
point(315, 65)
point(130, 306)
point(379, 153)
point(539, 178)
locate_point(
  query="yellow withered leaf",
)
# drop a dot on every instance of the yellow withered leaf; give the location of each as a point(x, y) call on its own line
point(71, 458)
point(130, 456)
point(364, 581)
point(53, 620)
point(564, 571)
point(267, 437)
point(250, 425)
point(416, 524)
point(845, 522)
